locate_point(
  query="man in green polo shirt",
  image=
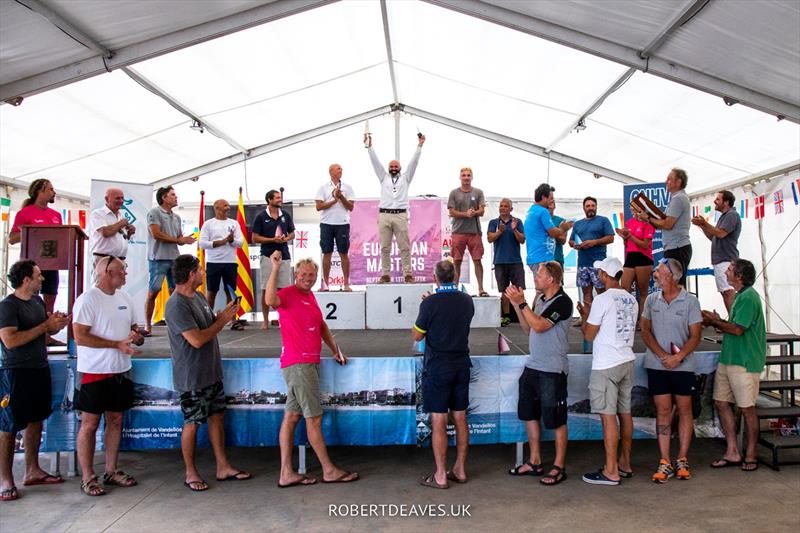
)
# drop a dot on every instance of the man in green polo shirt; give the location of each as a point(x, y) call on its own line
point(744, 352)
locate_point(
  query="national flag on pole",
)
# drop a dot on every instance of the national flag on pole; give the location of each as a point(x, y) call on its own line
point(615, 221)
point(707, 212)
point(244, 277)
point(795, 191)
point(695, 211)
point(777, 199)
point(622, 220)
point(759, 207)
point(5, 208)
point(201, 254)
point(744, 208)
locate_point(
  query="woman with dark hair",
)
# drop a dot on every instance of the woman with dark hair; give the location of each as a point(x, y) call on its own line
point(638, 237)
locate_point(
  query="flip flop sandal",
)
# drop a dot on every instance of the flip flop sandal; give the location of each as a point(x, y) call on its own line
point(201, 482)
point(9, 494)
point(235, 476)
point(725, 463)
point(237, 326)
point(749, 466)
point(430, 481)
point(341, 479)
point(49, 479)
point(92, 487)
point(555, 479)
point(119, 478)
point(302, 482)
point(536, 470)
point(452, 477)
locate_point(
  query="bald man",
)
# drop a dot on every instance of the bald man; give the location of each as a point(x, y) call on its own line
point(220, 237)
point(334, 203)
point(393, 208)
point(109, 230)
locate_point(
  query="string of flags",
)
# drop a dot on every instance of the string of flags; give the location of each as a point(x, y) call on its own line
point(74, 217)
point(760, 207)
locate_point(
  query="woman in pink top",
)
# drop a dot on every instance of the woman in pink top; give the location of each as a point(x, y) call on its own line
point(638, 237)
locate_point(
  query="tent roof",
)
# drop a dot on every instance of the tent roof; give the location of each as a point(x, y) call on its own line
point(261, 77)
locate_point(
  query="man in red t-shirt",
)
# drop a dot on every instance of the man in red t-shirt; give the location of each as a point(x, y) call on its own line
point(302, 331)
point(35, 211)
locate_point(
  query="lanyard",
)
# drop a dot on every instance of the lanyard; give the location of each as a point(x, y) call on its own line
point(447, 287)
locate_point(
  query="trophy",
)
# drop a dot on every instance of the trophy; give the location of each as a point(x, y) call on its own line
point(367, 135)
point(642, 204)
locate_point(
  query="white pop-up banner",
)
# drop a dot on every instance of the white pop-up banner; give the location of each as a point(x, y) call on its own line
point(138, 201)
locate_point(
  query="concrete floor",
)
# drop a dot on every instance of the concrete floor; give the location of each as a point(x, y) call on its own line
point(714, 500)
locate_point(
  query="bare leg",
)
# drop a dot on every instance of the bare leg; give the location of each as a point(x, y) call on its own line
point(534, 431)
point(625, 440)
point(685, 424)
point(326, 268)
point(216, 434)
point(728, 297)
point(439, 442)
point(49, 302)
point(315, 437)
point(188, 444)
point(32, 440)
point(587, 294)
point(211, 297)
point(462, 443)
point(479, 274)
point(728, 424)
point(286, 438)
point(457, 265)
point(149, 307)
point(264, 310)
point(86, 442)
point(345, 270)
point(643, 283)
point(611, 443)
point(663, 423)
point(751, 431)
point(7, 440)
point(562, 434)
point(628, 275)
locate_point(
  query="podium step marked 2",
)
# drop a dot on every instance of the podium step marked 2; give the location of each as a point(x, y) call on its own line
point(343, 310)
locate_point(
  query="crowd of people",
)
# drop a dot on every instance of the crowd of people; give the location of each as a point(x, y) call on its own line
point(670, 321)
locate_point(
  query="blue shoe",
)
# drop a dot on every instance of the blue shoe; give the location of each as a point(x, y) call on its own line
point(599, 478)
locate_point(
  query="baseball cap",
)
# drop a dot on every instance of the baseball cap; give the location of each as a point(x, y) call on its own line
point(609, 265)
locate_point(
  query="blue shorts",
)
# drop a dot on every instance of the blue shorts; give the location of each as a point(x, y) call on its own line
point(447, 389)
point(588, 277)
point(328, 233)
point(225, 272)
point(28, 394)
point(158, 270)
point(50, 283)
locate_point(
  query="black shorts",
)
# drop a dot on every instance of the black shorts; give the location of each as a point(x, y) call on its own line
point(328, 233)
point(50, 283)
point(684, 257)
point(669, 382)
point(221, 271)
point(27, 396)
point(543, 396)
point(445, 390)
point(198, 405)
point(113, 394)
point(513, 274)
point(637, 259)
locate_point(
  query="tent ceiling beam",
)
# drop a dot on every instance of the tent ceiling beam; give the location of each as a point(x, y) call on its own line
point(264, 149)
point(524, 146)
point(157, 46)
point(197, 121)
point(681, 17)
point(58, 20)
point(389, 55)
point(624, 55)
point(752, 178)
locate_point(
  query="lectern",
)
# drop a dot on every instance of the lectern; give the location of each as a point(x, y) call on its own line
point(57, 247)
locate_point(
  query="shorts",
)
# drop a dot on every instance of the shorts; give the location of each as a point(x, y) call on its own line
point(284, 272)
point(684, 257)
point(610, 389)
point(50, 283)
point(302, 389)
point(445, 390)
point(158, 270)
point(534, 267)
point(225, 272)
point(198, 405)
point(588, 277)
point(734, 384)
point(30, 398)
point(543, 396)
point(340, 233)
point(509, 274)
point(466, 241)
point(637, 259)
point(721, 278)
point(114, 393)
point(669, 382)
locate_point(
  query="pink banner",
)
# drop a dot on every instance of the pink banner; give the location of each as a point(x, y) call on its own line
point(424, 235)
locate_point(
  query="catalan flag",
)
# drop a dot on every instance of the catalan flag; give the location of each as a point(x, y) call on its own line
point(244, 277)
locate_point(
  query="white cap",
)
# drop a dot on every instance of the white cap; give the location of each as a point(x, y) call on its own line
point(609, 265)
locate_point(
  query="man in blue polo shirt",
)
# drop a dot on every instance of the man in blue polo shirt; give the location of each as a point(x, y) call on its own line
point(540, 233)
point(506, 233)
point(443, 321)
point(273, 229)
point(590, 237)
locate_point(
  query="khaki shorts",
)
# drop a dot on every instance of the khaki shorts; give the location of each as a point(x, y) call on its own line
point(302, 384)
point(721, 278)
point(284, 273)
point(735, 384)
point(610, 389)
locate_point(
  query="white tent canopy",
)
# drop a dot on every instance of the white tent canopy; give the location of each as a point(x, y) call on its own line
point(288, 84)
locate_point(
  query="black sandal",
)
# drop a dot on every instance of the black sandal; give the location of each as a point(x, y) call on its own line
point(550, 479)
point(536, 470)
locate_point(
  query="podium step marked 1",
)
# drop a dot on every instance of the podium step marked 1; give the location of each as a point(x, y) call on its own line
point(392, 307)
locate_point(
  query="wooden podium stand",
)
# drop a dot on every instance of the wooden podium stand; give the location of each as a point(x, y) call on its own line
point(57, 247)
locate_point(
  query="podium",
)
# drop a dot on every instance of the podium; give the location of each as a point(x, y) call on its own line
point(57, 247)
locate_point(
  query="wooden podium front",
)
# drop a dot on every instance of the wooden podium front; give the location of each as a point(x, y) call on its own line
point(57, 247)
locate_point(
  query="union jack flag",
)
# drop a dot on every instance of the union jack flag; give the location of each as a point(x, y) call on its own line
point(301, 239)
point(777, 198)
point(759, 208)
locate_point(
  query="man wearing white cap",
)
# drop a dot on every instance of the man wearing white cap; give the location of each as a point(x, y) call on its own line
point(610, 321)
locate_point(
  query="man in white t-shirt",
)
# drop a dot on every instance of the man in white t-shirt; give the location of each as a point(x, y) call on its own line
point(610, 321)
point(104, 329)
point(334, 203)
point(221, 237)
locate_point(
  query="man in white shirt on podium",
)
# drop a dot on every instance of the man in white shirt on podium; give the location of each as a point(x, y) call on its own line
point(334, 203)
point(109, 230)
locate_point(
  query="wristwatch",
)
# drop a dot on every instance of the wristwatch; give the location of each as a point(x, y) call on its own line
point(523, 305)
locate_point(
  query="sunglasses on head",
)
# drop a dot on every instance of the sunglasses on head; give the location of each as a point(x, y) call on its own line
point(663, 261)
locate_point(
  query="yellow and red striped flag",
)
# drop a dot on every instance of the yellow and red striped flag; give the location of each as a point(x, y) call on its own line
point(244, 277)
point(201, 254)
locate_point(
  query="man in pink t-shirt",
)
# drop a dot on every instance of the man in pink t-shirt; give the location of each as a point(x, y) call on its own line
point(302, 331)
point(35, 211)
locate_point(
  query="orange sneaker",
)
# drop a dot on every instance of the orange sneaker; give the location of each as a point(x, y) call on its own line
point(682, 470)
point(664, 472)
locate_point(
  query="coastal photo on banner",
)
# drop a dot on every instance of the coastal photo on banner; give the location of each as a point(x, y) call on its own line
point(138, 201)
